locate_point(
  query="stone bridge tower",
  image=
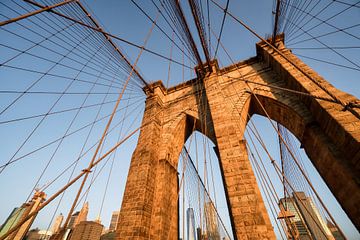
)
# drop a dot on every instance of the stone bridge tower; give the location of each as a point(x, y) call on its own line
point(219, 105)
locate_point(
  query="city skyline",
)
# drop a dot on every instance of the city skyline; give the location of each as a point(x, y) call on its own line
point(104, 189)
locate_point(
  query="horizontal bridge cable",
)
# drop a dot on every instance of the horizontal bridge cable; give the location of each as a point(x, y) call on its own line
point(58, 139)
point(52, 61)
point(53, 51)
point(323, 48)
point(328, 62)
point(56, 93)
point(48, 49)
point(289, 43)
point(58, 112)
point(56, 63)
point(284, 89)
point(3, 23)
point(84, 151)
point(60, 76)
point(61, 32)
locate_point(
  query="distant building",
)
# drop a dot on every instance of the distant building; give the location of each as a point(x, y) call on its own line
point(108, 236)
point(82, 214)
point(114, 221)
point(57, 224)
point(199, 234)
point(87, 230)
point(212, 229)
point(37, 234)
point(190, 224)
point(19, 214)
point(12, 220)
point(73, 220)
point(306, 219)
point(299, 229)
point(335, 231)
point(78, 216)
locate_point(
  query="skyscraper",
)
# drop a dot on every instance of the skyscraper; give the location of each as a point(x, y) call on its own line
point(335, 231)
point(114, 220)
point(306, 218)
point(82, 214)
point(87, 230)
point(57, 224)
point(190, 224)
point(12, 220)
point(294, 221)
point(73, 220)
point(212, 229)
point(79, 216)
point(37, 234)
point(19, 214)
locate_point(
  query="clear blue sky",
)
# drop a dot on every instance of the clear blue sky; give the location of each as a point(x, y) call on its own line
point(123, 19)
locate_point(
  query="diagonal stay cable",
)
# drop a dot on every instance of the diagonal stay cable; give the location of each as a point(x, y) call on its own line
point(111, 35)
point(57, 112)
point(322, 35)
point(54, 196)
point(160, 28)
point(44, 117)
point(108, 125)
point(336, 98)
point(326, 23)
point(222, 27)
point(82, 153)
point(57, 76)
point(65, 133)
point(327, 46)
point(328, 62)
point(65, 41)
point(322, 22)
point(58, 139)
point(68, 66)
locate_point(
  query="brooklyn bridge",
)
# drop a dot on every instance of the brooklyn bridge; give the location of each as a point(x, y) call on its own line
point(169, 119)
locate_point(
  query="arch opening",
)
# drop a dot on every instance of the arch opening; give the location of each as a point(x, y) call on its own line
point(313, 144)
point(203, 207)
